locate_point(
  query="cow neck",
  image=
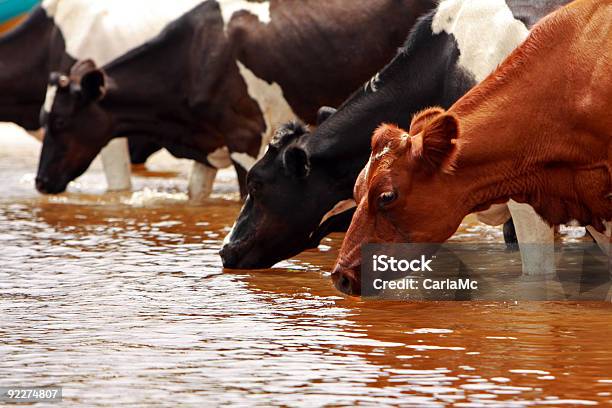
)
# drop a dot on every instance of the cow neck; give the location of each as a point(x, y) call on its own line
point(139, 117)
point(141, 83)
point(343, 142)
point(497, 158)
point(24, 73)
point(511, 138)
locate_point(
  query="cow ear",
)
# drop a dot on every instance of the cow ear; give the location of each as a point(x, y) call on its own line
point(93, 85)
point(434, 145)
point(296, 162)
point(420, 119)
point(324, 113)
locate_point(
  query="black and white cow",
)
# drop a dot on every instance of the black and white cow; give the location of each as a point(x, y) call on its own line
point(212, 86)
point(59, 32)
point(302, 189)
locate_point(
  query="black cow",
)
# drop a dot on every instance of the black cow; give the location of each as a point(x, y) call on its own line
point(220, 78)
point(36, 47)
point(299, 191)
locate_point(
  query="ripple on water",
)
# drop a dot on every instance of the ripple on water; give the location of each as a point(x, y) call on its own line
point(122, 300)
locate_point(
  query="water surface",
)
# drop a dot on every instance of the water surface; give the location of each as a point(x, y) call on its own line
point(122, 300)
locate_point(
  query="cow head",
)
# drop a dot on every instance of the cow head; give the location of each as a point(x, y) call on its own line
point(277, 220)
point(76, 127)
point(337, 150)
point(401, 193)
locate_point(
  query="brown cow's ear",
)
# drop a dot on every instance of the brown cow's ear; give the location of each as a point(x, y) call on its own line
point(93, 85)
point(420, 119)
point(435, 143)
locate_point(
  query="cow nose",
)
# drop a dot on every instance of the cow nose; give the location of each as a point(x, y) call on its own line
point(229, 257)
point(41, 184)
point(344, 285)
point(345, 281)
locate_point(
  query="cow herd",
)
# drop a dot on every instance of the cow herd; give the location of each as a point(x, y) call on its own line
point(472, 113)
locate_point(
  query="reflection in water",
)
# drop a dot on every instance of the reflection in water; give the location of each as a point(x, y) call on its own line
point(121, 299)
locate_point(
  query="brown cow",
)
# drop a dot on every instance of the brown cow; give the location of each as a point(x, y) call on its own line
point(538, 130)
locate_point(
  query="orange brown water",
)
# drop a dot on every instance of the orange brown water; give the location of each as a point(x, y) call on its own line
point(121, 299)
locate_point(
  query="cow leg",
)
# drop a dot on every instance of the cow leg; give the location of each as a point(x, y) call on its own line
point(603, 240)
point(116, 161)
point(605, 243)
point(201, 181)
point(536, 240)
point(510, 235)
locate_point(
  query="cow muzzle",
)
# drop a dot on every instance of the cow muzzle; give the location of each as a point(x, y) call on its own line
point(347, 280)
point(45, 186)
point(230, 256)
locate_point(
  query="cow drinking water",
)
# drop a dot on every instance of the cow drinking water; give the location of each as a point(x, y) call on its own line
point(303, 187)
point(58, 33)
point(537, 130)
point(213, 85)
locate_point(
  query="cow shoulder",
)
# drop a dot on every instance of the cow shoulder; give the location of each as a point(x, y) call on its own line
point(486, 32)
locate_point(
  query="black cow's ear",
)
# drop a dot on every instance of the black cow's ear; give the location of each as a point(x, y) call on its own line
point(296, 162)
point(324, 113)
point(93, 85)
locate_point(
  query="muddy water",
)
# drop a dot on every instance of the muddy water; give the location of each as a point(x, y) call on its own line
point(121, 299)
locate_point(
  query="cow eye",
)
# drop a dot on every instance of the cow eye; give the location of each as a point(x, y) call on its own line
point(386, 198)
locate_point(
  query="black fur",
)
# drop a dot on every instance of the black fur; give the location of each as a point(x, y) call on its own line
point(286, 217)
point(288, 133)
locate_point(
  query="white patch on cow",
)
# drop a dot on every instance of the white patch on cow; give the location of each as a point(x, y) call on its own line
point(229, 7)
point(485, 30)
point(50, 98)
point(274, 107)
point(228, 237)
point(386, 150)
point(105, 30)
point(367, 168)
point(373, 83)
point(220, 158)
